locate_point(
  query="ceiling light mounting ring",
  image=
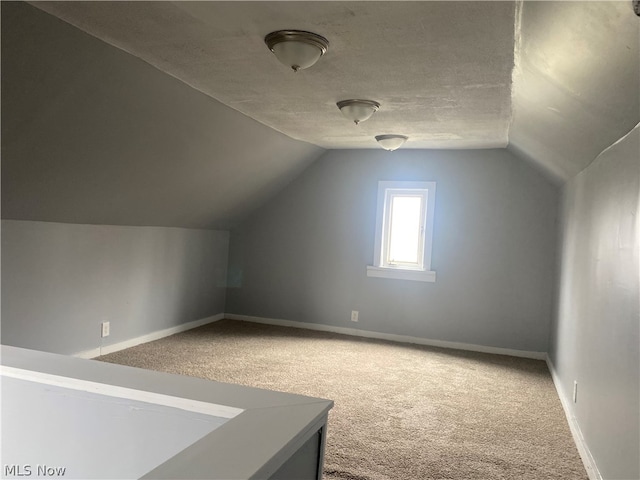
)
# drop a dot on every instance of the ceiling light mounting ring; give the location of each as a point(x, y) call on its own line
point(298, 49)
point(358, 110)
point(297, 36)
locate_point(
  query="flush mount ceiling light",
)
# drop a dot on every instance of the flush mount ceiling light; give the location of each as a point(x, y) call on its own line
point(391, 142)
point(358, 110)
point(297, 49)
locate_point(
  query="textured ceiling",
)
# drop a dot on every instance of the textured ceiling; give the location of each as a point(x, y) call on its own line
point(556, 82)
point(441, 70)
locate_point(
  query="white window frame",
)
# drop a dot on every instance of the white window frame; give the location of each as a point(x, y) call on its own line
point(382, 267)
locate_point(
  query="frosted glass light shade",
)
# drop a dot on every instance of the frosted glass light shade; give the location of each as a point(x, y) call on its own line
point(391, 142)
point(358, 110)
point(296, 49)
point(296, 55)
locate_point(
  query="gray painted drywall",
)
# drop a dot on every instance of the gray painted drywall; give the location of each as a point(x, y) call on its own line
point(595, 337)
point(575, 83)
point(61, 281)
point(93, 135)
point(303, 256)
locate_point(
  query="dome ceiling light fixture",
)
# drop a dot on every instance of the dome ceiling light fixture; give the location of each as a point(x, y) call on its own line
point(391, 142)
point(358, 110)
point(297, 49)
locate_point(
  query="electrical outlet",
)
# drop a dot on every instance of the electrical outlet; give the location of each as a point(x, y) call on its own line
point(354, 315)
point(575, 392)
point(105, 329)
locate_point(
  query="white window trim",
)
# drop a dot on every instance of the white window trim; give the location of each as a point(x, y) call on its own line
point(378, 269)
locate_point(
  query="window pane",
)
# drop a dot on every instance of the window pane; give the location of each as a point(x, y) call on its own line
point(404, 235)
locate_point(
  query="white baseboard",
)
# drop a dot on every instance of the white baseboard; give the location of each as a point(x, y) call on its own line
point(389, 336)
point(149, 337)
point(583, 449)
point(588, 460)
point(94, 352)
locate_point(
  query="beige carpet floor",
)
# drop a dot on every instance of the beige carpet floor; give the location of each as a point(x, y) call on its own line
point(402, 412)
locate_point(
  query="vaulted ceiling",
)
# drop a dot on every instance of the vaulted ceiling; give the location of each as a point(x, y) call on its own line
point(442, 71)
point(556, 82)
point(93, 131)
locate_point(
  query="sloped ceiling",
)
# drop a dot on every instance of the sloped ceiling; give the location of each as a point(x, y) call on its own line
point(441, 70)
point(93, 135)
point(576, 83)
point(556, 81)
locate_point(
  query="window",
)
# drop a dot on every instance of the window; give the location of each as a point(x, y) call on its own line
point(404, 231)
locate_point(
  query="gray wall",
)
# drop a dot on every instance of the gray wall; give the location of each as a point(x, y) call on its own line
point(303, 256)
point(60, 281)
point(93, 135)
point(595, 336)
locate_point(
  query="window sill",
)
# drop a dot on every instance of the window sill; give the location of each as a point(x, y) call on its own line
point(401, 274)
